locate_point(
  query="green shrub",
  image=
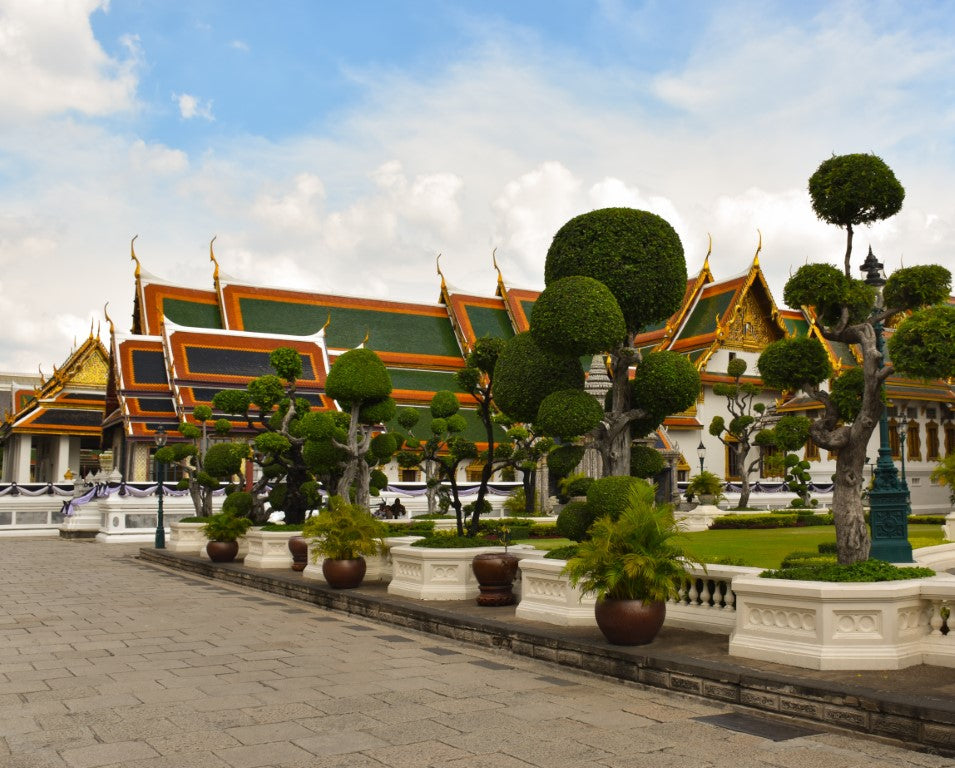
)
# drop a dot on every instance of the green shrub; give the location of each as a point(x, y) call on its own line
point(417, 527)
point(770, 520)
point(609, 495)
point(544, 531)
point(226, 527)
point(276, 527)
point(564, 459)
point(450, 540)
point(562, 553)
point(828, 548)
point(865, 571)
point(574, 485)
point(645, 462)
point(574, 520)
point(192, 519)
point(799, 559)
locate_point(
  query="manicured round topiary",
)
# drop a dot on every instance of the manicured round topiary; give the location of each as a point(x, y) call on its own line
point(564, 459)
point(645, 462)
point(917, 287)
point(595, 324)
point(574, 520)
point(383, 446)
point(665, 383)
point(223, 460)
point(356, 376)
point(923, 346)
point(287, 363)
point(825, 288)
point(568, 413)
point(238, 504)
point(794, 362)
point(525, 375)
point(443, 404)
point(636, 254)
point(847, 393)
point(847, 190)
point(378, 411)
point(609, 495)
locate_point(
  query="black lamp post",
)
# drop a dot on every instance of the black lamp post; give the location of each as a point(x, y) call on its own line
point(160, 523)
point(889, 498)
point(701, 452)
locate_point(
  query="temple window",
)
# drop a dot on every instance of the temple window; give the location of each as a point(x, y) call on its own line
point(894, 439)
point(931, 442)
point(812, 451)
point(913, 442)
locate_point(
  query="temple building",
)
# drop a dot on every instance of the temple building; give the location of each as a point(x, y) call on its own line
point(187, 343)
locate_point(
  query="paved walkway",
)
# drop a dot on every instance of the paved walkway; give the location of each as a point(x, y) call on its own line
point(106, 661)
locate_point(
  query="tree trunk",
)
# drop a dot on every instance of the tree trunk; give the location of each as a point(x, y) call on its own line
point(529, 483)
point(431, 488)
point(852, 536)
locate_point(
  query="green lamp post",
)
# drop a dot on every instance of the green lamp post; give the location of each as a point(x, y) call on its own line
point(160, 523)
point(889, 498)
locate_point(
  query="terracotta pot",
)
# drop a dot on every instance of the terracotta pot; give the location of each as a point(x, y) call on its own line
point(495, 573)
point(344, 574)
point(298, 546)
point(629, 622)
point(222, 551)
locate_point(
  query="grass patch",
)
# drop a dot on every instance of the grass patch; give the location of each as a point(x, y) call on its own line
point(761, 548)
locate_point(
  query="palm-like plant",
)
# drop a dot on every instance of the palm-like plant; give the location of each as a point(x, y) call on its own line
point(344, 531)
point(637, 556)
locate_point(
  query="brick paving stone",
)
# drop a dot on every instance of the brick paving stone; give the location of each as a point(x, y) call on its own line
point(111, 663)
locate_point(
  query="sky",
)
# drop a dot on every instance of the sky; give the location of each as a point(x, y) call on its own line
point(340, 147)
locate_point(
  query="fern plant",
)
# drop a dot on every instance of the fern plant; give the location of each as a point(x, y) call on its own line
point(344, 531)
point(638, 556)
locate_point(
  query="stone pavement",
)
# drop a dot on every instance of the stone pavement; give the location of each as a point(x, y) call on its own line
point(109, 661)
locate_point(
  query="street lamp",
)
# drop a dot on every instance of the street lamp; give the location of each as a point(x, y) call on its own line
point(701, 452)
point(160, 524)
point(889, 498)
point(903, 433)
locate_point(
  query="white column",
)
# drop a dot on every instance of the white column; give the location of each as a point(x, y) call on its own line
point(61, 457)
point(21, 472)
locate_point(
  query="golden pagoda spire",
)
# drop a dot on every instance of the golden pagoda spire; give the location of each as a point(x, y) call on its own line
point(132, 255)
point(112, 328)
point(500, 277)
point(212, 258)
point(444, 284)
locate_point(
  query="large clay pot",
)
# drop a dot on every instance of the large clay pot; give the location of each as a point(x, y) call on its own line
point(344, 574)
point(298, 546)
point(629, 622)
point(222, 551)
point(495, 573)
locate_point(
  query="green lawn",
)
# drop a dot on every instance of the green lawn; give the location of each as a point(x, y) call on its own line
point(764, 548)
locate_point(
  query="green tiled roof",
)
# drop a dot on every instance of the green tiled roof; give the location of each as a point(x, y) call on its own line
point(423, 381)
point(703, 318)
point(388, 331)
point(842, 351)
point(475, 430)
point(528, 305)
point(489, 322)
point(800, 327)
point(192, 314)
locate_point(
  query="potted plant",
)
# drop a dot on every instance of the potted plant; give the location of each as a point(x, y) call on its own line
point(632, 563)
point(223, 531)
point(495, 573)
point(706, 486)
point(343, 534)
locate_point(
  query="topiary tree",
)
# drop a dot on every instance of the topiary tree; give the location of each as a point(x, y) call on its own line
point(788, 435)
point(748, 418)
point(361, 385)
point(609, 274)
point(847, 191)
point(281, 423)
point(439, 455)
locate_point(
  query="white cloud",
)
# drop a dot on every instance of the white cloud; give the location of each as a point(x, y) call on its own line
point(51, 63)
point(191, 107)
point(240, 45)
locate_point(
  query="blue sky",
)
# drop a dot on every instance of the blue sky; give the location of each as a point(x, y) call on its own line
point(341, 147)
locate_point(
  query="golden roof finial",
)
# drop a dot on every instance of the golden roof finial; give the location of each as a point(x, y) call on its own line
point(327, 322)
point(42, 377)
point(500, 277)
point(364, 341)
point(112, 328)
point(437, 264)
point(758, 249)
point(212, 258)
point(132, 255)
point(97, 329)
point(709, 250)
